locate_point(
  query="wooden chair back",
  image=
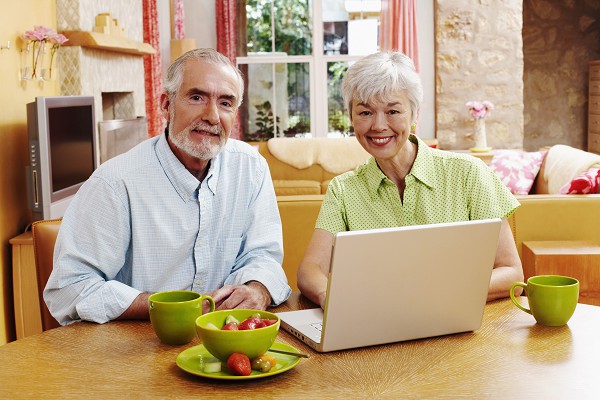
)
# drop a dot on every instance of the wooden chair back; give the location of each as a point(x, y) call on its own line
point(44, 237)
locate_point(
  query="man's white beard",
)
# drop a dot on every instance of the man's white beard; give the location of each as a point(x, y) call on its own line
point(204, 149)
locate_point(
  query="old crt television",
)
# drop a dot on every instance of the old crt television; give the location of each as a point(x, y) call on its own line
point(62, 151)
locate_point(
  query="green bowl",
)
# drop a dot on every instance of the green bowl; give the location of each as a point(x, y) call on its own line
point(222, 344)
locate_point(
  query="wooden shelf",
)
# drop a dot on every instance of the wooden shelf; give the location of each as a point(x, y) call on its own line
point(106, 42)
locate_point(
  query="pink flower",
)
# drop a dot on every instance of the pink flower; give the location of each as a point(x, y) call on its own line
point(57, 39)
point(37, 38)
point(40, 33)
point(479, 109)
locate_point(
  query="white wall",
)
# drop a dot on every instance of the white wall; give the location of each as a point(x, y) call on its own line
point(200, 24)
point(426, 39)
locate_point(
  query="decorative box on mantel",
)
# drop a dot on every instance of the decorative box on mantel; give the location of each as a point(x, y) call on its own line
point(107, 42)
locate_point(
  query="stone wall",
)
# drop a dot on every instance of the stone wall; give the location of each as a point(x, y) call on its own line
point(530, 58)
point(479, 57)
point(559, 39)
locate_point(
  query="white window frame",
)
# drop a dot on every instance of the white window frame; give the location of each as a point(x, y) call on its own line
point(317, 67)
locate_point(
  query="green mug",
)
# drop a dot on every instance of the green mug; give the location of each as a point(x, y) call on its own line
point(173, 314)
point(552, 298)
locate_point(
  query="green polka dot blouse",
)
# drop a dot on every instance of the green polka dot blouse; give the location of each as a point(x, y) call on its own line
point(441, 187)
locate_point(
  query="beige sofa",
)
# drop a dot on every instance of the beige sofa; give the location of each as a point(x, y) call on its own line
point(544, 215)
point(305, 166)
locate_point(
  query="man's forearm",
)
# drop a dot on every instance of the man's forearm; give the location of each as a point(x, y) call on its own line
point(138, 309)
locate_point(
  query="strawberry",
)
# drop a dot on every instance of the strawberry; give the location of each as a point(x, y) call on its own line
point(232, 326)
point(269, 322)
point(239, 364)
point(251, 323)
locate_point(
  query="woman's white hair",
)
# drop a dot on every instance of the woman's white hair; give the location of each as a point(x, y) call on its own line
point(175, 72)
point(379, 76)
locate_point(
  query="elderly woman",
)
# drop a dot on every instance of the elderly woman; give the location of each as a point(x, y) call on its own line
point(405, 182)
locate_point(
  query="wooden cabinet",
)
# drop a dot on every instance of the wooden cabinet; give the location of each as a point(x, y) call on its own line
point(594, 108)
point(578, 259)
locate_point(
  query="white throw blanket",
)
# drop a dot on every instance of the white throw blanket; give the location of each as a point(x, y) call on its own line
point(563, 163)
point(335, 155)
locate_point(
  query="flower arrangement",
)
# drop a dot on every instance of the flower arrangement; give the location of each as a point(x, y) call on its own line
point(479, 109)
point(37, 39)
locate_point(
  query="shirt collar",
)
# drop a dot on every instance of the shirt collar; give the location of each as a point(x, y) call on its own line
point(182, 180)
point(421, 170)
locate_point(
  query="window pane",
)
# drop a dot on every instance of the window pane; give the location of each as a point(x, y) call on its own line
point(276, 92)
point(292, 19)
point(335, 37)
point(338, 120)
point(258, 28)
point(351, 27)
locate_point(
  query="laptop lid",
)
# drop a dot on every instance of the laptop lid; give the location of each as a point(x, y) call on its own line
point(395, 284)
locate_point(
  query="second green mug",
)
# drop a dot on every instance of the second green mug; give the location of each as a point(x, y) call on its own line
point(552, 298)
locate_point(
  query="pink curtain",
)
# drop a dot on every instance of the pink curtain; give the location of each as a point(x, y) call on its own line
point(179, 19)
point(399, 28)
point(153, 82)
point(226, 12)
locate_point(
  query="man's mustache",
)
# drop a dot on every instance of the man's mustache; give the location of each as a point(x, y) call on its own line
point(214, 129)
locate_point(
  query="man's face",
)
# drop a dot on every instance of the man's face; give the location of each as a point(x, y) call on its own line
point(202, 111)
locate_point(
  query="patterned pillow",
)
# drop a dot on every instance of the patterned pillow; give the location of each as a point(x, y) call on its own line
point(517, 169)
point(585, 183)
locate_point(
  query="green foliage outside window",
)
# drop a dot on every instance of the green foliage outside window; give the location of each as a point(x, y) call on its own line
point(264, 123)
point(292, 26)
point(293, 36)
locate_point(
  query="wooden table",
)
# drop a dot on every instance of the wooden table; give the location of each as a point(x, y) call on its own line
point(510, 356)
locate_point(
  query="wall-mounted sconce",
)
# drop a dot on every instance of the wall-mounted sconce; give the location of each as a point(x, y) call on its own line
point(36, 63)
point(7, 47)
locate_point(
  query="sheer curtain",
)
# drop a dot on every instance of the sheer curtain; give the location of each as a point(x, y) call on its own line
point(152, 69)
point(399, 28)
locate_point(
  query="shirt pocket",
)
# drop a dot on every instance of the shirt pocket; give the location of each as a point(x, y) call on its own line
point(228, 250)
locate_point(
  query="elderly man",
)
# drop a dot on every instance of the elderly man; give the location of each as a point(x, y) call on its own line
point(188, 209)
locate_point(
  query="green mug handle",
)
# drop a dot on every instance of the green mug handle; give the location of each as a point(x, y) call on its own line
point(210, 300)
point(513, 298)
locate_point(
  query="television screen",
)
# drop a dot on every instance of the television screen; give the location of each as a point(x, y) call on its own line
point(71, 145)
point(62, 151)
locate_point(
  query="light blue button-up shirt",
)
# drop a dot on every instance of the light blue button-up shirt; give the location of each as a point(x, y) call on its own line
point(143, 223)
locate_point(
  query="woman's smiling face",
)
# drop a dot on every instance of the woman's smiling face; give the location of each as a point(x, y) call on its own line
point(382, 126)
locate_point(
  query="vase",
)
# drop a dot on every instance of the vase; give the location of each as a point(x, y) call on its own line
point(40, 64)
point(480, 137)
point(25, 66)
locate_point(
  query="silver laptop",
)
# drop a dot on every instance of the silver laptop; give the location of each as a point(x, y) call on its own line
point(396, 284)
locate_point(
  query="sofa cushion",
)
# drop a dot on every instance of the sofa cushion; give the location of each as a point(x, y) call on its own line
point(586, 183)
point(296, 187)
point(562, 164)
point(334, 155)
point(517, 169)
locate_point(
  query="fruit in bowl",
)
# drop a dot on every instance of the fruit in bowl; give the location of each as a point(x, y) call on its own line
point(256, 331)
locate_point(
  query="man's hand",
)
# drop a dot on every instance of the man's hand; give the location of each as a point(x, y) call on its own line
point(252, 295)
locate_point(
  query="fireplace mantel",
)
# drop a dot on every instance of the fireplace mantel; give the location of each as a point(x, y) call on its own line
point(106, 42)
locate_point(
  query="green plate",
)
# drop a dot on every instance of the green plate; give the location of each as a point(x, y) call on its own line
point(191, 360)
